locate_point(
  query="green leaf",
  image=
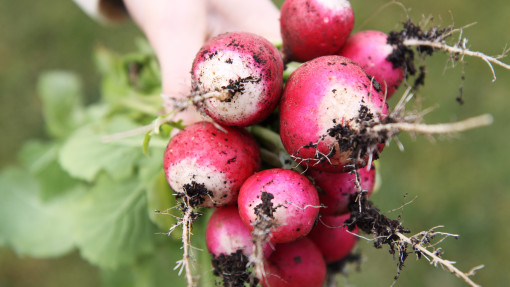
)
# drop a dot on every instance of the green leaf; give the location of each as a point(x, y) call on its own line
point(112, 226)
point(203, 257)
point(160, 197)
point(145, 144)
point(150, 271)
point(61, 96)
point(41, 160)
point(115, 82)
point(32, 227)
point(85, 153)
point(159, 194)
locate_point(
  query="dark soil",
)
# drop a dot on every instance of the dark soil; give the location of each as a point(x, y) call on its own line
point(193, 196)
point(266, 207)
point(237, 86)
point(371, 221)
point(403, 56)
point(232, 269)
point(361, 141)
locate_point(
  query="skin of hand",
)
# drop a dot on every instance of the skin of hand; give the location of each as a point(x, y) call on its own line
point(177, 30)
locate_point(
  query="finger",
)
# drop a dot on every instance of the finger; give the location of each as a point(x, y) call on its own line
point(256, 16)
point(176, 31)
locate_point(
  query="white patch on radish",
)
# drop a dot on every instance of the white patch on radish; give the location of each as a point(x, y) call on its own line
point(215, 74)
point(341, 103)
point(229, 244)
point(188, 170)
point(338, 5)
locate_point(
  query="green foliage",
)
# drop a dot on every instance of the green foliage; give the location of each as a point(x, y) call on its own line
point(112, 226)
point(85, 154)
point(85, 189)
point(150, 271)
point(29, 225)
point(41, 161)
point(61, 95)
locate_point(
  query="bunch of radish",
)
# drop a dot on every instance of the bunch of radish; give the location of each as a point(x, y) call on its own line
point(285, 224)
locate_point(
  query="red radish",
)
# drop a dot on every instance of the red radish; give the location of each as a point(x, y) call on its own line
point(370, 49)
point(209, 165)
point(332, 238)
point(243, 74)
point(325, 109)
point(314, 28)
point(293, 196)
point(295, 264)
point(226, 233)
point(337, 188)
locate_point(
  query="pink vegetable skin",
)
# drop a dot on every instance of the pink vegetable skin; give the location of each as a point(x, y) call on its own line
point(370, 49)
point(337, 188)
point(332, 238)
point(314, 28)
point(246, 70)
point(201, 154)
point(295, 264)
point(294, 196)
point(327, 99)
point(226, 233)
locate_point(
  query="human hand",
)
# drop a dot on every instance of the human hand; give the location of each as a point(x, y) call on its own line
point(177, 30)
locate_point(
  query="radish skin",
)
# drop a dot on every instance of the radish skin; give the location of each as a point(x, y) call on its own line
point(314, 28)
point(370, 50)
point(295, 264)
point(325, 106)
point(226, 233)
point(295, 199)
point(201, 155)
point(243, 72)
point(332, 238)
point(337, 188)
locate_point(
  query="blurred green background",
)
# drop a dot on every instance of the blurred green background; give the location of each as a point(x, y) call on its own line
point(461, 182)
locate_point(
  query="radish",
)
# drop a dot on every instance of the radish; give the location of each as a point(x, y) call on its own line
point(294, 202)
point(337, 188)
point(332, 238)
point(325, 109)
point(208, 166)
point(295, 264)
point(314, 28)
point(239, 77)
point(226, 233)
point(370, 49)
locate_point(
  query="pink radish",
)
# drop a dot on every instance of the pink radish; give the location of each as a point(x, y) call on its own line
point(208, 165)
point(370, 50)
point(296, 264)
point(226, 233)
point(294, 198)
point(337, 188)
point(314, 28)
point(239, 75)
point(332, 238)
point(325, 109)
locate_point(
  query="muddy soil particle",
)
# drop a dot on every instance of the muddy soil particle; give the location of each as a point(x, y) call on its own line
point(194, 194)
point(233, 270)
point(237, 86)
point(403, 56)
point(370, 220)
point(266, 207)
point(361, 142)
